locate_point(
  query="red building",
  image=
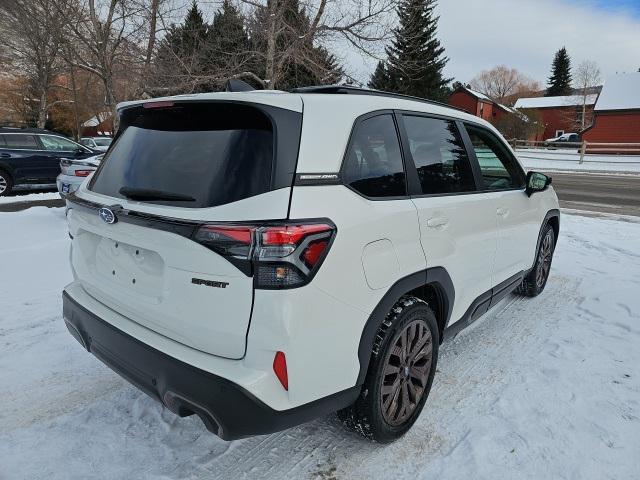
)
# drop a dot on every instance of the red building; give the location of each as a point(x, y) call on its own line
point(98, 125)
point(559, 115)
point(617, 112)
point(478, 104)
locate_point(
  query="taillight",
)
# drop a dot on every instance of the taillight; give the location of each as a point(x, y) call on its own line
point(278, 256)
point(82, 173)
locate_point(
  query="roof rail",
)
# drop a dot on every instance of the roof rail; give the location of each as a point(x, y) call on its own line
point(351, 90)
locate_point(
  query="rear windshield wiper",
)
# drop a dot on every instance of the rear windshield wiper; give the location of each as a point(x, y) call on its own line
point(134, 193)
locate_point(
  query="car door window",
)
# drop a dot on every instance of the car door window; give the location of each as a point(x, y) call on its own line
point(20, 141)
point(57, 144)
point(439, 155)
point(373, 163)
point(499, 168)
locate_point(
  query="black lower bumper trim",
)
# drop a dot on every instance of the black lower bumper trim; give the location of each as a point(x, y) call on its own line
point(226, 409)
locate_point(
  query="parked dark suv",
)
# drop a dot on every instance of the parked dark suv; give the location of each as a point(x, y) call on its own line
point(32, 157)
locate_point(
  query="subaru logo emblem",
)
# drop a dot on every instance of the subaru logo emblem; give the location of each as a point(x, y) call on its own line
point(107, 215)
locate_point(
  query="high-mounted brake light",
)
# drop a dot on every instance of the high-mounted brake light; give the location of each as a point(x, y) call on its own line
point(157, 105)
point(278, 256)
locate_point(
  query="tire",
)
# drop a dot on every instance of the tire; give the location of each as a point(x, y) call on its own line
point(6, 183)
point(534, 282)
point(397, 385)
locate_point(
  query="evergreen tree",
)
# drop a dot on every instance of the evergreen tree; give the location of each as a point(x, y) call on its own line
point(560, 80)
point(181, 53)
point(380, 78)
point(416, 57)
point(228, 47)
point(306, 64)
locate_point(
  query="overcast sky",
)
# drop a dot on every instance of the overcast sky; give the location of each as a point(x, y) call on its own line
point(525, 34)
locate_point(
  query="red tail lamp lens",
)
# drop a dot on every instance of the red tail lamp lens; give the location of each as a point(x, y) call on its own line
point(83, 173)
point(291, 234)
point(313, 252)
point(280, 369)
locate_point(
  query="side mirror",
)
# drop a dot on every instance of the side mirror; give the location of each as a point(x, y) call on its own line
point(79, 151)
point(537, 182)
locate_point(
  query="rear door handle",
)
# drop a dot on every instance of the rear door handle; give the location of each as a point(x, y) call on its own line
point(502, 211)
point(436, 222)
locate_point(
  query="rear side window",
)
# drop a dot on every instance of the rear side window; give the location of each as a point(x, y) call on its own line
point(21, 141)
point(498, 167)
point(209, 153)
point(57, 144)
point(439, 155)
point(373, 164)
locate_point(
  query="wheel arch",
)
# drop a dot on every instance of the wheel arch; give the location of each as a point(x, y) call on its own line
point(432, 285)
point(551, 218)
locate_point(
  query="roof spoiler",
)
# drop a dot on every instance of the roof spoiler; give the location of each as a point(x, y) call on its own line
point(235, 85)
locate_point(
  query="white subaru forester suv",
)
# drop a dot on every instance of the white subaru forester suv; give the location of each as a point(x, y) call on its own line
point(263, 258)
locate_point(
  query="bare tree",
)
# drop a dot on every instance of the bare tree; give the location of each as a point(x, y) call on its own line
point(105, 36)
point(501, 83)
point(586, 76)
point(358, 23)
point(31, 37)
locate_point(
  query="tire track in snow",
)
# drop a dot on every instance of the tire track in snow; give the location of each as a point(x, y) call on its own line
point(468, 363)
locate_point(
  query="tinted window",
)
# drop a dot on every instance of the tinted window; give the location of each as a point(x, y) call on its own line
point(499, 169)
point(213, 153)
point(57, 144)
point(2, 142)
point(21, 141)
point(102, 142)
point(374, 163)
point(439, 155)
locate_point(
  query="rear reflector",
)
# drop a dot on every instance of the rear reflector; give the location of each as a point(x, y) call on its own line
point(280, 369)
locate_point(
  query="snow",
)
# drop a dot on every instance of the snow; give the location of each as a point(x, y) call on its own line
point(477, 94)
point(560, 101)
point(30, 197)
point(620, 92)
point(547, 387)
point(569, 160)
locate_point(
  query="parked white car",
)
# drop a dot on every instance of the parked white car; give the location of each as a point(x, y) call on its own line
point(73, 172)
point(100, 144)
point(236, 262)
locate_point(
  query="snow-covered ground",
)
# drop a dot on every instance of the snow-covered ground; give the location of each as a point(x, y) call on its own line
point(569, 160)
point(29, 197)
point(539, 388)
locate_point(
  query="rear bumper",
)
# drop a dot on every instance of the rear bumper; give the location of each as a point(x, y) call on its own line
point(226, 409)
point(72, 182)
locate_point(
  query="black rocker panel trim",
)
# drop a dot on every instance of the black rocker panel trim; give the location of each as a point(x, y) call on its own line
point(436, 276)
point(226, 409)
point(483, 304)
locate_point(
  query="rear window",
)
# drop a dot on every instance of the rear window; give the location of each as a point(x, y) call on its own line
point(211, 153)
point(21, 141)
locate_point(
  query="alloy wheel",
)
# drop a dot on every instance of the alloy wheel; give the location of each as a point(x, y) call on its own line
point(544, 259)
point(3, 184)
point(406, 372)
